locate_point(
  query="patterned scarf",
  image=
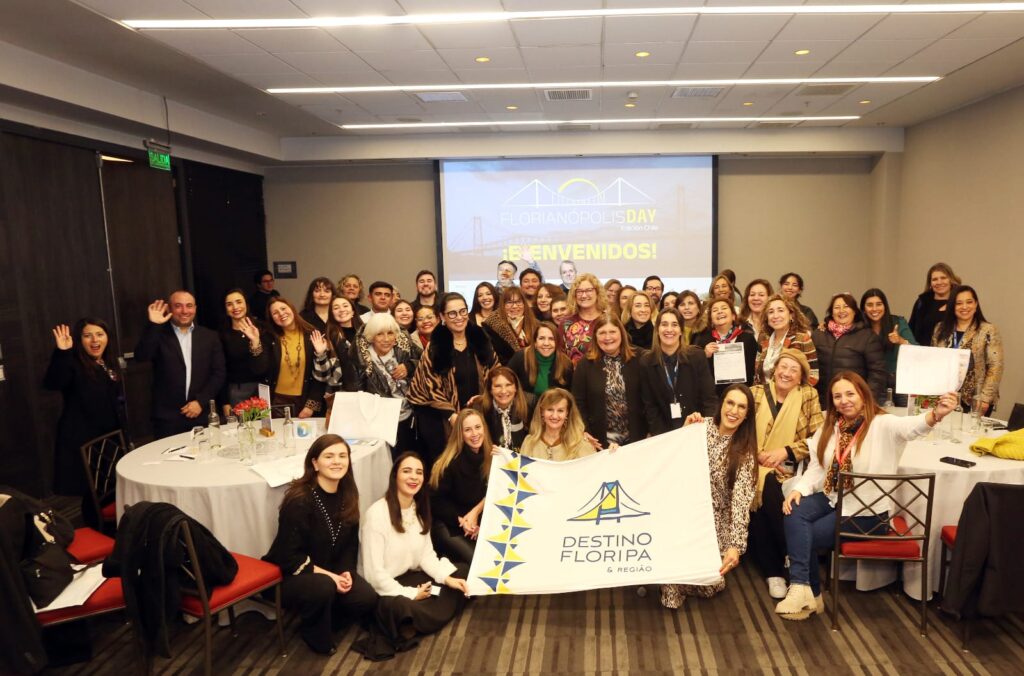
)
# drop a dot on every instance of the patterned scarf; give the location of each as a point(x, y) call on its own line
point(506, 426)
point(736, 331)
point(838, 330)
point(615, 398)
point(842, 459)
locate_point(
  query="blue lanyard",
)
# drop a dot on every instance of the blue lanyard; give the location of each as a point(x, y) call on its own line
point(957, 339)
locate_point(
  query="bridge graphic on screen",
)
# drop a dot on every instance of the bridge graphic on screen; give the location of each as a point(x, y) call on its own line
point(619, 193)
point(610, 502)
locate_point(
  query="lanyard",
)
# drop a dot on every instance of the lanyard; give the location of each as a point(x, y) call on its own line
point(849, 447)
point(957, 339)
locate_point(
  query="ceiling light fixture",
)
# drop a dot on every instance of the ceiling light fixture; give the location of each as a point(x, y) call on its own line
point(483, 59)
point(642, 55)
point(748, 103)
point(802, 52)
point(488, 17)
point(865, 102)
point(601, 84)
point(652, 120)
point(511, 107)
point(111, 158)
point(630, 104)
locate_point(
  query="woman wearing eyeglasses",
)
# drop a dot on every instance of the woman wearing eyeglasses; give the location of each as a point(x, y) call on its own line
point(450, 374)
point(587, 302)
point(512, 326)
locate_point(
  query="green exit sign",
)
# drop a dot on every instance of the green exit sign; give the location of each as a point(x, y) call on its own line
point(159, 160)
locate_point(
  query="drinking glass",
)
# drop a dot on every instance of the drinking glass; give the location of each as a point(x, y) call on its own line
point(975, 415)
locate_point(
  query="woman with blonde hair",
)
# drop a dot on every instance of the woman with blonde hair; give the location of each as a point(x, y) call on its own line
point(755, 300)
point(351, 287)
point(556, 432)
point(785, 327)
point(692, 310)
point(636, 317)
point(930, 306)
point(459, 485)
point(587, 302)
point(612, 287)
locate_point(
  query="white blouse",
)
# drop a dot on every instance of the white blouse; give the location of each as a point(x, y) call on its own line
point(879, 453)
point(385, 553)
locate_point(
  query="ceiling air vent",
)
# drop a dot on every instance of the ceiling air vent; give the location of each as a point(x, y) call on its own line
point(825, 89)
point(574, 127)
point(440, 97)
point(777, 125)
point(675, 126)
point(696, 92)
point(568, 94)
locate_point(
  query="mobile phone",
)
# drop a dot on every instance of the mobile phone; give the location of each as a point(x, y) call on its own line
point(967, 464)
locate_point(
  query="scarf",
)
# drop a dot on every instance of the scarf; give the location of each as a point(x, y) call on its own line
point(774, 431)
point(505, 416)
point(842, 459)
point(615, 399)
point(730, 337)
point(544, 365)
point(399, 388)
point(838, 330)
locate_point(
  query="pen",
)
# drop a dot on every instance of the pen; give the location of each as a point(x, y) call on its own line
point(172, 450)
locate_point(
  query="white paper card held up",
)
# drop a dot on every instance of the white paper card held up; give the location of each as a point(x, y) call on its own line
point(362, 415)
point(930, 371)
point(730, 364)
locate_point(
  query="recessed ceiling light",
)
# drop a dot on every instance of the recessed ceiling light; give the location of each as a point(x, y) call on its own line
point(802, 52)
point(111, 158)
point(748, 103)
point(602, 84)
point(490, 17)
point(511, 107)
point(629, 105)
point(627, 120)
point(865, 102)
point(642, 55)
point(483, 59)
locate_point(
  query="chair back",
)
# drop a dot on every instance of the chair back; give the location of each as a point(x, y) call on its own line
point(193, 575)
point(100, 457)
point(910, 521)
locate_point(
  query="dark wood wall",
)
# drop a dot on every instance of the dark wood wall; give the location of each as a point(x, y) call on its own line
point(83, 237)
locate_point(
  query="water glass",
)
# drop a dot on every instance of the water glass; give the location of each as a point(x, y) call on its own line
point(199, 446)
point(975, 415)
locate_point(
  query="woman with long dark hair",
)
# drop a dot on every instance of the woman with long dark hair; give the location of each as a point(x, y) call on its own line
point(545, 295)
point(543, 363)
point(892, 331)
point(847, 344)
point(485, 302)
point(857, 436)
point(931, 305)
point(317, 306)
point(511, 327)
point(458, 485)
point(242, 338)
point(343, 324)
point(82, 370)
point(287, 362)
point(317, 544)
point(732, 452)
point(505, 407)
point(755, 300)
point(722, 328)
point(964, 328)
point(400, 562)
point(791, 285)
point(692, 310)
point(405, 315)
point(785, 327)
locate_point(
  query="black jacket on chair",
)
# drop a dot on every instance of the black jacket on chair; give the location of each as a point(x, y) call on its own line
point(588, 389)
point(694, 390)
point(859, 351)
point(985, 572)
point(160, 346)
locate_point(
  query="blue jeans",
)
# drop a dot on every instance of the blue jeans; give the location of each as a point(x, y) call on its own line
point(812, 526)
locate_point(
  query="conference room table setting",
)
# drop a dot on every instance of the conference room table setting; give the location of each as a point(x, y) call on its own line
point(236, 501)
point(953, 483)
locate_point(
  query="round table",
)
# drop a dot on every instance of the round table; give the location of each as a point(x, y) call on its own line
point(952, 486)
point(229, 498)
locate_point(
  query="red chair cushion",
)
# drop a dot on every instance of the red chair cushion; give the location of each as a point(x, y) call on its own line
point(90, 546)
point(253, 576)
point(949, 536)
point(107, 598)
point(898, 549)
point(109, 512)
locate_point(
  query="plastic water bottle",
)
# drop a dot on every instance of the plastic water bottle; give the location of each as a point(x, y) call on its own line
point(288, 432)
point(214, 426)
point(889, 404)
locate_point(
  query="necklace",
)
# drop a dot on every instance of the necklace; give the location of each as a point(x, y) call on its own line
point(292, 368)
point(334, 529)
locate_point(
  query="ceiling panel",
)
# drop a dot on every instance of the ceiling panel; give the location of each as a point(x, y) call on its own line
point(204, 41)
point(696, 107)
point(650, 71)
point(785, 50)
point(495, 104)
point(740, 28)
point(268, 80)
point(398, 59)
point(421, 77)
point(534, 5)
point(780, 69)
point(566, 74)
point(375, 38)
point(644, 29)
point(551, 32)
point(456, 36)
point(249, 9)
point(143, 9)
point(322, 62)
point(446, 6)
point(907, 27)
point(388, 103)
point(292, 40)
point(492, 75)
point(500, 57)
point(837, 27)
point(952, 54)
point(856, 69)
point(569, 110)
point(710, 71)
point(334, 7)
point(361, 77)
point(259, 64)
point(722, 52)
point(561, 57)
point(992, 26)
point(625, 54)
point(881, 51)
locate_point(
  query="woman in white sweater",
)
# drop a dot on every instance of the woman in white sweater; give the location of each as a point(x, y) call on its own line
point(399, 561)
point(857, 436)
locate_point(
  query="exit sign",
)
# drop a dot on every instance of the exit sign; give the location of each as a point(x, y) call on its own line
point(159, 160)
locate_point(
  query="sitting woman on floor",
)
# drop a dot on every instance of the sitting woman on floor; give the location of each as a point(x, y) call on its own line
point(400, 562)
point(317, 543)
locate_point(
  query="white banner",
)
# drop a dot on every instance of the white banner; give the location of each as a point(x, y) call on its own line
point(641, 515)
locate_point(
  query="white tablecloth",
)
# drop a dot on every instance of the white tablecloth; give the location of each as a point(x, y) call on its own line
point(227, 497)
point(952, 486)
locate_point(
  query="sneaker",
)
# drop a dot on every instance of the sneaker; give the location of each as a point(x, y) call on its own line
point(799, 603)
point(777, 587)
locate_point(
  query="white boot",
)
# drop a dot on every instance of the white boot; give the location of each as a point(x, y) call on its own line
point(798, 604)
point(777, 588)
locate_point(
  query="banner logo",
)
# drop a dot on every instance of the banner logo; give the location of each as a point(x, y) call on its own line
point(610, 502)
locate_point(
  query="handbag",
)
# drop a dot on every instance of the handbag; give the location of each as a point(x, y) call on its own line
point(47, 570)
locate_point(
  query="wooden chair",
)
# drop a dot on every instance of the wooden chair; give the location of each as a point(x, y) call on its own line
point(254, 576)
point(100, 457)
point(903, 537)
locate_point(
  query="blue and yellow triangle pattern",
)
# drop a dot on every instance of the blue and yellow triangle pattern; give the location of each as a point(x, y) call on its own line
point(506, 541)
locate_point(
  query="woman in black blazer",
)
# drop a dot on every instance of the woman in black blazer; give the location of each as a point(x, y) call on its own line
point(611, 407)
point(503, 397)
point(723, 327)
point(674, 379)
point(287, 363)
point(543, 363)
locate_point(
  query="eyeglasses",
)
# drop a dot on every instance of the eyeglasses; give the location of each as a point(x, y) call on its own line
point(654, 288)
point(585, 292)
point(514, 301)
point(455, 314)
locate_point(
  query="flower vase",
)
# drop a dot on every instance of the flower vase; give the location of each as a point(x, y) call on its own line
point(248, 432)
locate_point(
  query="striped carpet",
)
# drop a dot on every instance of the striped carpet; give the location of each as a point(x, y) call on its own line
point(614, 632)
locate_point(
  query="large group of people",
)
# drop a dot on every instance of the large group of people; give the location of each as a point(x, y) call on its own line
point(553, 371)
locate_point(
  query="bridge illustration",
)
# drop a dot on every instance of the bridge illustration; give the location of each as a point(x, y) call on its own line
point(619, 193)
point(610, 501)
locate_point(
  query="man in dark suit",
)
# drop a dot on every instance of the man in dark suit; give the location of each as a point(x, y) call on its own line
point(188, 364)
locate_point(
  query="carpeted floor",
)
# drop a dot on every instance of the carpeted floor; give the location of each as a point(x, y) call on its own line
point(613, 632)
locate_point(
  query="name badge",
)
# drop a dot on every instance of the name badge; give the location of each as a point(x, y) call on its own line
point(676, 409)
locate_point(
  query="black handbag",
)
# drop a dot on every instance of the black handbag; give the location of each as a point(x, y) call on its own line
point(47, 568)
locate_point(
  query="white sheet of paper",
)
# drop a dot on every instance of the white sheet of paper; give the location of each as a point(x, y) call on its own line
point(730, 366)
point(280, 471)
point(86, 581)
point(362, 415)
point(929, 371)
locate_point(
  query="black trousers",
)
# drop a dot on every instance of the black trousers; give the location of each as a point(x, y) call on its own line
point(323, 609)
point(454, 545)
point(433, 434)
point(406, 439)
point(767, 536)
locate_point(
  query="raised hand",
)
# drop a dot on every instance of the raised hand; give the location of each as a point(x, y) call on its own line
point(710, 349)
point(694, 417)
point(158, 312)
point(319, 342)
point(894, 336)
point(62, 337)
point(250, 331)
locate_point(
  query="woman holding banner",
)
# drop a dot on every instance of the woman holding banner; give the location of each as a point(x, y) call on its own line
point(732, 451)
point(556, 432)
